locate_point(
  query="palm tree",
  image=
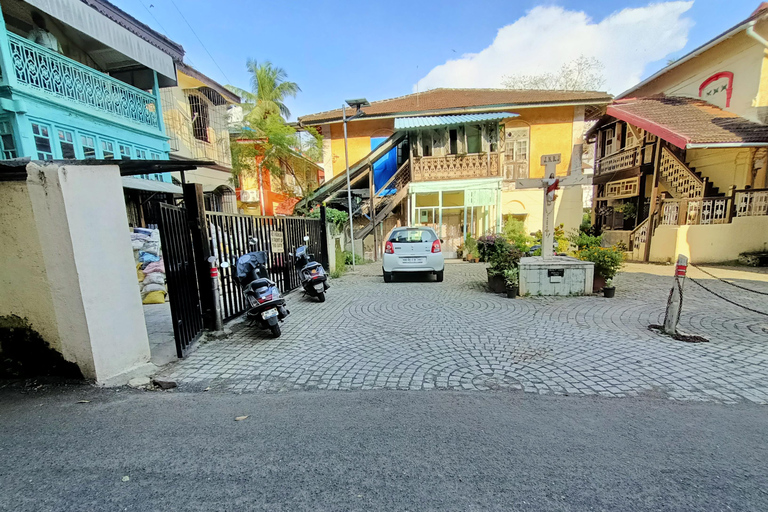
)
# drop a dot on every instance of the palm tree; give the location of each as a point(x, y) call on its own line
point(269, 89)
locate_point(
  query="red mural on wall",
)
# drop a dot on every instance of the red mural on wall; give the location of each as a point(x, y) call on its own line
point(716, 77)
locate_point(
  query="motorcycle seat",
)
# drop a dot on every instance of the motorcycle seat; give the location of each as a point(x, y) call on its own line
point(312, 265)
point(258, 283)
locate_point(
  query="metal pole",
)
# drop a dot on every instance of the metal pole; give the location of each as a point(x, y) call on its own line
point(349, 190)
point(261, 189)
point(218, 322)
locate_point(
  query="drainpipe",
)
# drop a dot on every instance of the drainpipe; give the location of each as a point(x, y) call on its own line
point(754, 35)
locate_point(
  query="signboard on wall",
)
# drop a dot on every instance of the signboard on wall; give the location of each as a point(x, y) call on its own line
point(276, 241)
point(482, 197)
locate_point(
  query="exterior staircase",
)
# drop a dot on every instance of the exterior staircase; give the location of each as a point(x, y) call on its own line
point(386, 199)
point(682, 181)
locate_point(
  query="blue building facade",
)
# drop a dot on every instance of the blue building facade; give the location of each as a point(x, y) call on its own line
point(94, 95)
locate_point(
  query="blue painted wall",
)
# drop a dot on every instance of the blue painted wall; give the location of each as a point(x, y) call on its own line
point(386, 167)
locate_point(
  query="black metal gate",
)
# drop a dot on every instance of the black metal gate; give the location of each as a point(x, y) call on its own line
point(181, 277)
point(229, 235)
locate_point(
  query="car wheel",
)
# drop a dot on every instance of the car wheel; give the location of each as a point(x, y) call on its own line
point(439, 276)
point(387, 277)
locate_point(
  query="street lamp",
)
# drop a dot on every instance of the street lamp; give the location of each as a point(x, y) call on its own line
point(357, 105)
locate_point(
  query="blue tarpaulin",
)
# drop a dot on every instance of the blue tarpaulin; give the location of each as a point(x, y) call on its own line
point(386, 167)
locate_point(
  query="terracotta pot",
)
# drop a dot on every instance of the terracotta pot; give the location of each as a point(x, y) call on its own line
point(598, 283)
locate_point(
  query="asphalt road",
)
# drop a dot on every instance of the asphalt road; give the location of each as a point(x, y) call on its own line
point(375, 450)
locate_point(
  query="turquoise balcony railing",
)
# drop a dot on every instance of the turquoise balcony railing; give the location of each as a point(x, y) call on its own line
point(44, 70)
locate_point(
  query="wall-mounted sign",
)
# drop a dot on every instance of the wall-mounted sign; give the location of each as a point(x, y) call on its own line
point(556, 275)
point(276, 241)
point(550, 159)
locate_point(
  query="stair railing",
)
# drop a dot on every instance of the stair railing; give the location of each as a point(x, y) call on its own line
point(683, 181)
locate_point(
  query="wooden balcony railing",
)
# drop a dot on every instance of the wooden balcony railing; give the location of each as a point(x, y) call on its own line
point(625, 159)
point(751, 202)
point(454, 167)
point(692, 212)
point(46, 71)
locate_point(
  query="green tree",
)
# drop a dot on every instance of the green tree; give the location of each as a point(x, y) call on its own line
point(269, 89)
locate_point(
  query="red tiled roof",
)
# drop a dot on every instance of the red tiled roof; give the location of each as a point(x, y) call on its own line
point(459, 99)
point(287, 206)
point(684, 121)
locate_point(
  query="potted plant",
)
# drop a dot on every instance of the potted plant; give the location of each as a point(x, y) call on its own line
point(460, 251)
point(609, 290)
point(608, 261)
point(502, 256)
point(512, 281)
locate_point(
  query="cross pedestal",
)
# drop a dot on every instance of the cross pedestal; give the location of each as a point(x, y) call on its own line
point(549, 274)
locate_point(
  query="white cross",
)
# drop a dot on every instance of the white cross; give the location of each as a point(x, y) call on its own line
point(550, 184)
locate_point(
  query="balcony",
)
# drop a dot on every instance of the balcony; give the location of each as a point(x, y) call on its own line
point(456, 167)
point(625, 159)
point(41, 70)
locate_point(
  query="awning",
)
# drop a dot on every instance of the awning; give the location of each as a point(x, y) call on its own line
point(151, 185)
point(407, 123)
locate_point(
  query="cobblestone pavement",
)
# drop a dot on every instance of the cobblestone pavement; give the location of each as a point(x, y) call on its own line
point(423, 335)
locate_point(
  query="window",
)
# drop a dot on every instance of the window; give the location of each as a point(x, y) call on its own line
point(412, 235)
point(7, 144)
point(516, 153)
point(67, 144)
point(88, 144)
point(609, 138)
point(154, 156)
point(200, 120)
point(521, 150)
point(453, 136)
point(474, 139)
point(108, 149)
point(141, 154)
point(42, 142)
point(125, 152)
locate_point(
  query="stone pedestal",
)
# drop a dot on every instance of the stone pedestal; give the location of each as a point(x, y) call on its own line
point(559, 275)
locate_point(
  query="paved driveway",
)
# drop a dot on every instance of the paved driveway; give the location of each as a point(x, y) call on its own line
point(422, 335)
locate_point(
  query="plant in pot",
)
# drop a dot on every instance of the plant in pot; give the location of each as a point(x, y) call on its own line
point(609, 290)
point(470, 249)
point(502, 257)
point(512, 281)
point(608, 261)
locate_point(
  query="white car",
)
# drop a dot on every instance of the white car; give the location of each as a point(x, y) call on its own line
point(412, 250)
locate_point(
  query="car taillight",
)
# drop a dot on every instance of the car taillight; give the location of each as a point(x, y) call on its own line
point(265, 298)
point(436, 246)
point(389, 248)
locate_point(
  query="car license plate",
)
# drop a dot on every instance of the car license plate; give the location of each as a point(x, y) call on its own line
point(269, 313)
point(411, 260)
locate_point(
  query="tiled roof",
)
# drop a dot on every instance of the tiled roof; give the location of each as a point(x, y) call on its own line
point(457, 99)
point(684, 121)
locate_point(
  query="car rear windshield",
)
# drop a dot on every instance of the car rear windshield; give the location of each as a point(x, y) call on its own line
point(410, 236)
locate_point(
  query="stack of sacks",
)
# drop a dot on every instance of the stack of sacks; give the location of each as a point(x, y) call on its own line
point(150, 269)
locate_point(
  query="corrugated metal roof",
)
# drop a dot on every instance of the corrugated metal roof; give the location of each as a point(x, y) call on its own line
point(407, 123)
point(151, 185)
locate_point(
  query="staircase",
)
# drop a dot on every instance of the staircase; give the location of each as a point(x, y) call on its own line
point(386, 199)
point(684, 182)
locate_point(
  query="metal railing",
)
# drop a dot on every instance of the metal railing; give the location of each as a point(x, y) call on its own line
point(44, 70)
point(451, 167)
point(625, 159)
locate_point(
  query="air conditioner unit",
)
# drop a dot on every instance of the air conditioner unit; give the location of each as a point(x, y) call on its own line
point(249, 196)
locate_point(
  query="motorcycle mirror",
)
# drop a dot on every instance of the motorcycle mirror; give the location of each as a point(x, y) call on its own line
point(225, 264)
point(306, 239)
point(251, 241)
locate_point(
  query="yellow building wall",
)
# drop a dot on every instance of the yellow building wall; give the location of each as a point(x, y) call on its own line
point(359, 134)
point(722, 167)
point(530, 202)
point(710, 243)
point(741, 55)
point(551, 131)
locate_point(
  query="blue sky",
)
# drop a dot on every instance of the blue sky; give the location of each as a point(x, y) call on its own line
point(376, 49)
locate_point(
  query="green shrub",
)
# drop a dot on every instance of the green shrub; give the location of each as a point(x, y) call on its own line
point(336, 218)
point(359, 260)
point(583, 240)
point(514, 231)
point(512, 276)
point(503, 256)
point(608, 260)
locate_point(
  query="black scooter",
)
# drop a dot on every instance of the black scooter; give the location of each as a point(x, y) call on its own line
point(265, 304)
point(311, 273)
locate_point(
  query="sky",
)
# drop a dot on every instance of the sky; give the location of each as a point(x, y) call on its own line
point(378, 50)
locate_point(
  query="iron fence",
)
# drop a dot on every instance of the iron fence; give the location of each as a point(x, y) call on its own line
point(229, 239)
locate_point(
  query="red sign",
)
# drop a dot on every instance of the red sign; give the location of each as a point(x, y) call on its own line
point(680, 270)
point(214, 272)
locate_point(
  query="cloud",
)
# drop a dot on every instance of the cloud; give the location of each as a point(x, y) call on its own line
point(545, 38)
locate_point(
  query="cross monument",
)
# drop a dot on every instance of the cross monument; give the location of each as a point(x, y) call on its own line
point(550, 184)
